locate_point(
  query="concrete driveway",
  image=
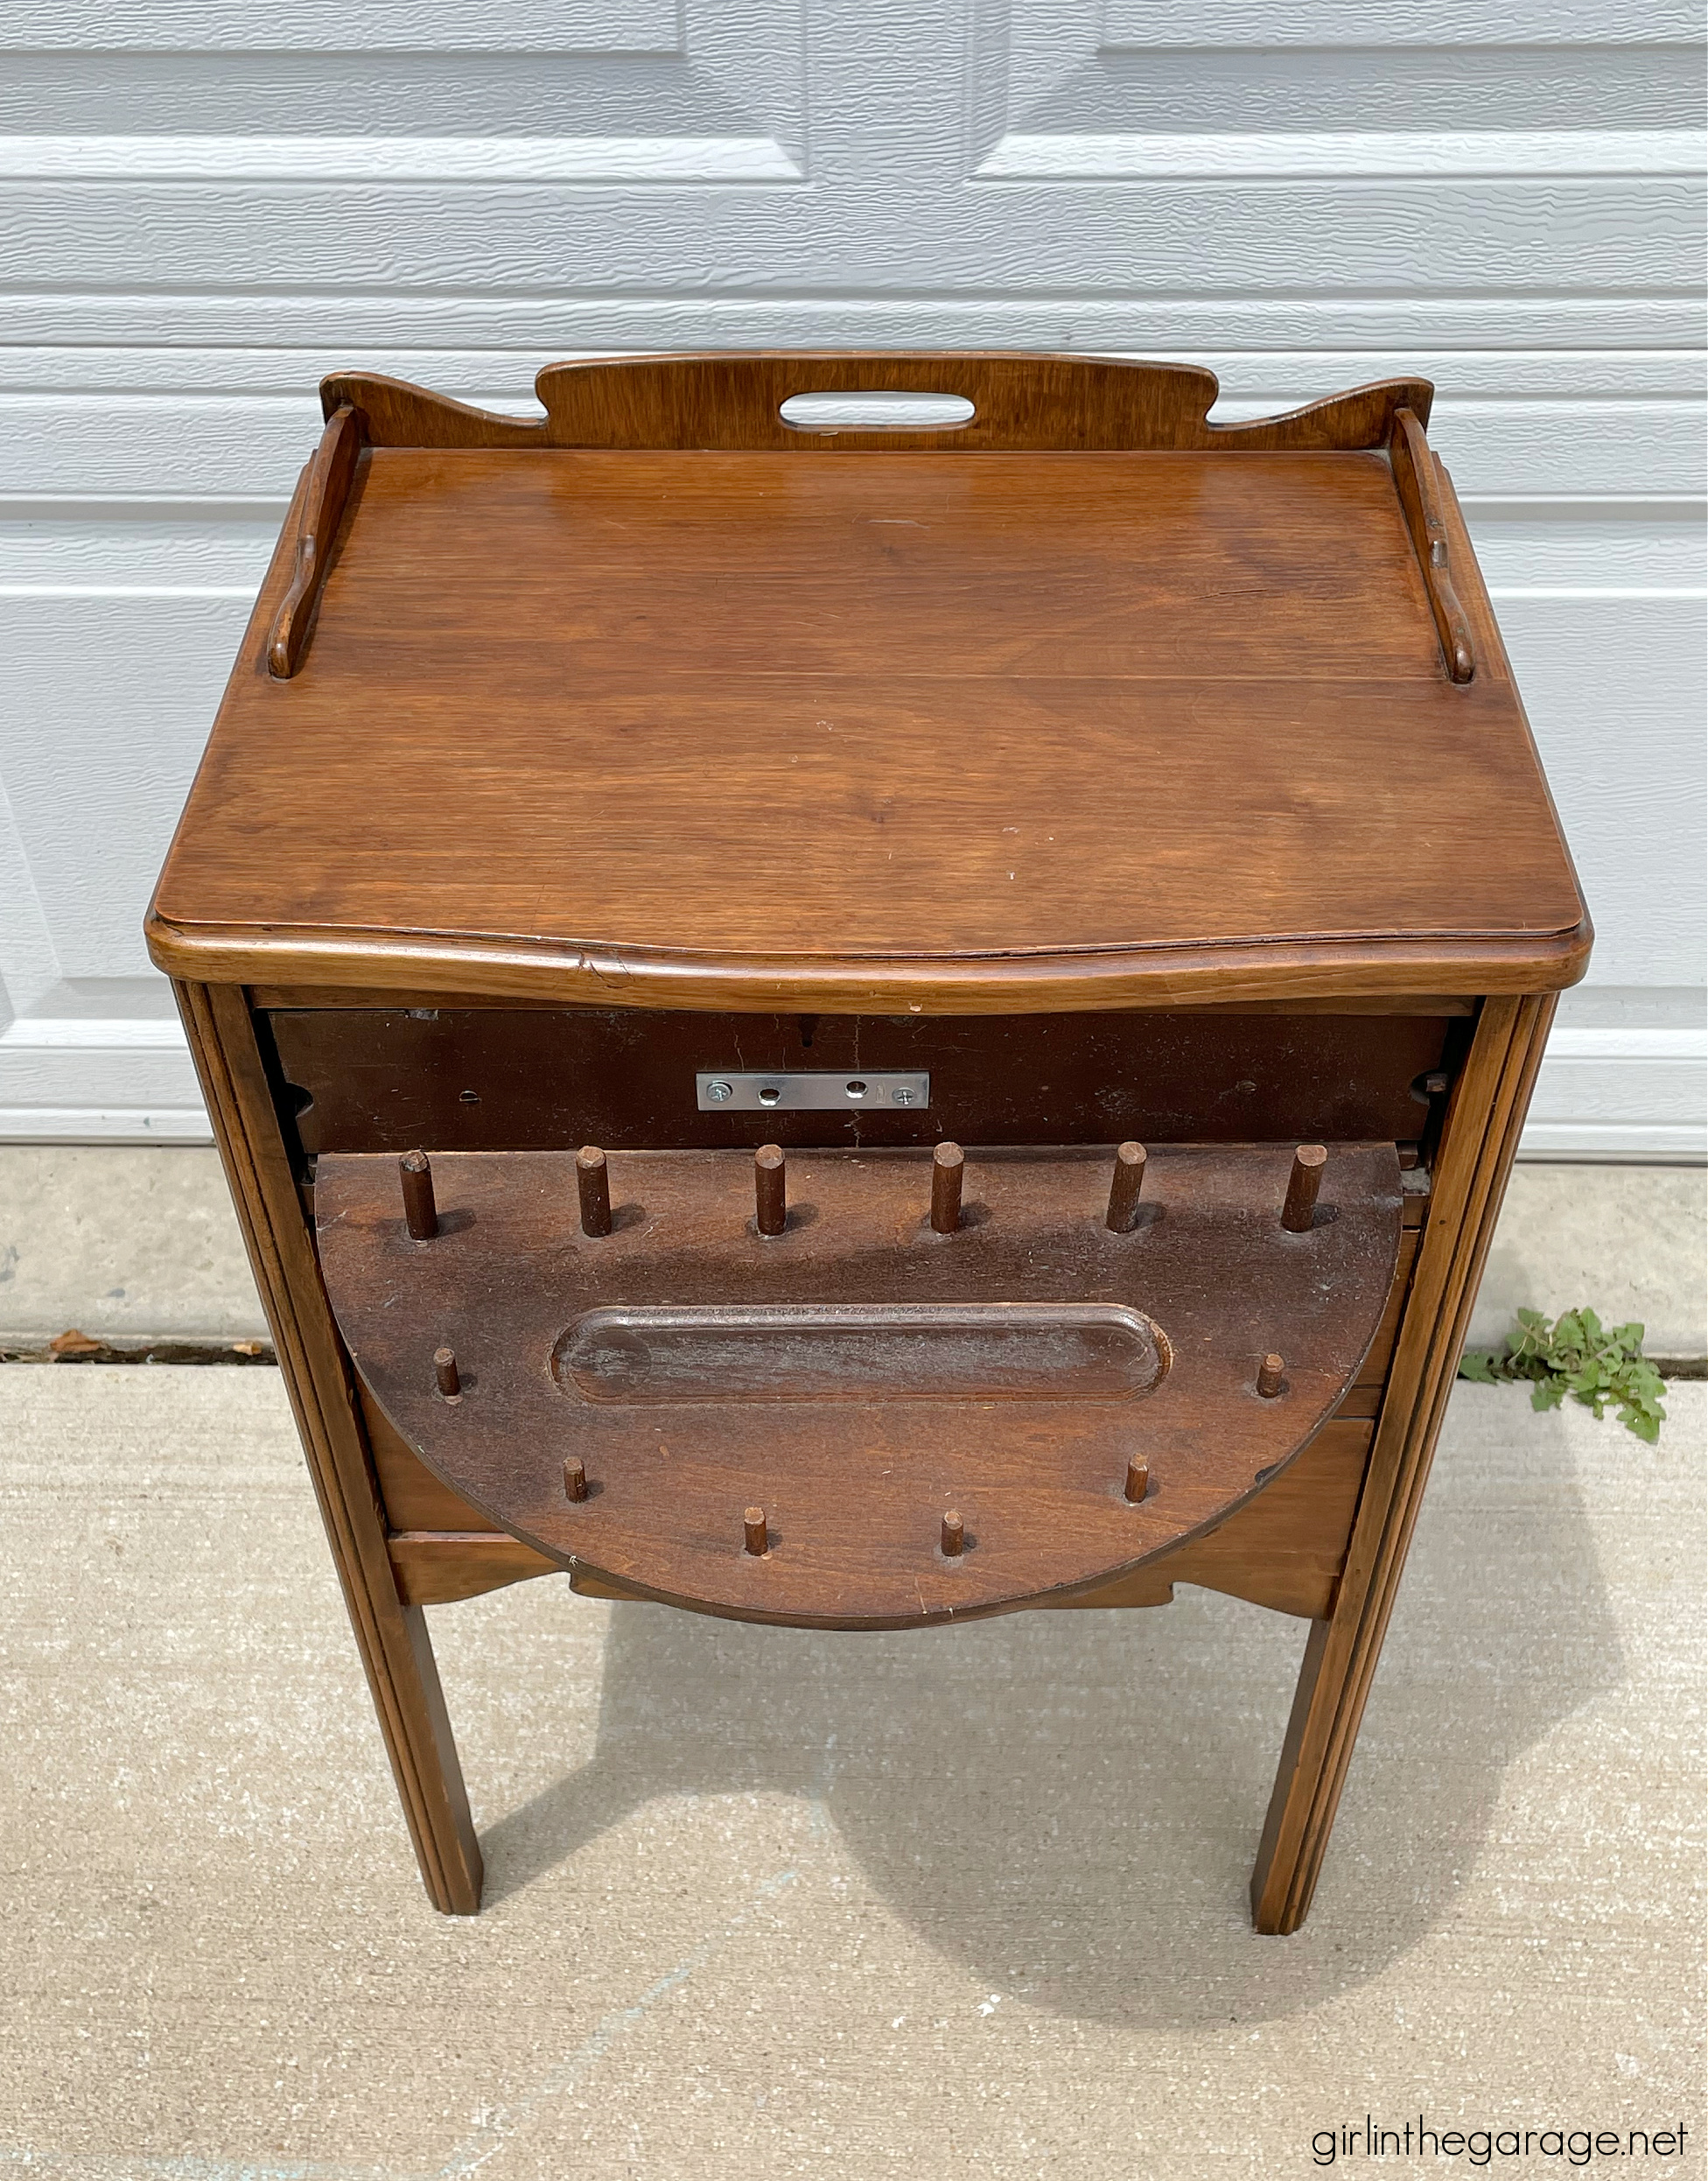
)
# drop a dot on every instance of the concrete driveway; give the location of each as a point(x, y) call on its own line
point(764, 1903)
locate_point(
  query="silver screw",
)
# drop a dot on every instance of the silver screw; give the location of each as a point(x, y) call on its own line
point(901, 1095)
point(720, 1092)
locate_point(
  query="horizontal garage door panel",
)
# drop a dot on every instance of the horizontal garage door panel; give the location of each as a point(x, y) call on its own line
point(203, 205)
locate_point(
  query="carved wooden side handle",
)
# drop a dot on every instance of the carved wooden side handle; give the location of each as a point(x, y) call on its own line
point(1414, 476)
point(324, 502)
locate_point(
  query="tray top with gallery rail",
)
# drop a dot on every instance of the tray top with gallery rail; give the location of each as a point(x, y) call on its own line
point(659, 701)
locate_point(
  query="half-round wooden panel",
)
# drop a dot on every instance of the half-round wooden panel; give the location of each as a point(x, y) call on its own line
point(859, 1377)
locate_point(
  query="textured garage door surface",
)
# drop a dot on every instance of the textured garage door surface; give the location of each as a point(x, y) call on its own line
point(208, 205)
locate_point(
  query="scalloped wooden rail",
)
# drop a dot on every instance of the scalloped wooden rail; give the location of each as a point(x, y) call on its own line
point(1075, 403)
point(325, 499)
point(1420, 497)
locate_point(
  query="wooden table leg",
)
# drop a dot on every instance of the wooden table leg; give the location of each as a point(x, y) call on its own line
point(1477, 1147)
point(391, 1636)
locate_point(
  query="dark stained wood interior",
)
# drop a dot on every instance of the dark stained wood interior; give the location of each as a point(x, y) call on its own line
point(488, 1079)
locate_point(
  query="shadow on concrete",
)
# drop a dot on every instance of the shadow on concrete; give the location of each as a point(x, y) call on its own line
point(1068, 1803)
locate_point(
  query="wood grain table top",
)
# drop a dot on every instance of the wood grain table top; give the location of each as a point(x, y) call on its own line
point(950, 730)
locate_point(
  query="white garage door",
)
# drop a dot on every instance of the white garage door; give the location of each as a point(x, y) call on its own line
point(208, 203)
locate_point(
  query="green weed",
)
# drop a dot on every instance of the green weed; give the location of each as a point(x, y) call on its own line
point(1576, 1353)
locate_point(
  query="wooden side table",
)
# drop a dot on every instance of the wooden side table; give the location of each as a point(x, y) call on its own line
point(861, 1028)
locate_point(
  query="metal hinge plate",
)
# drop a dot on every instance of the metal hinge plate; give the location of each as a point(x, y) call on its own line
point(814, 1091)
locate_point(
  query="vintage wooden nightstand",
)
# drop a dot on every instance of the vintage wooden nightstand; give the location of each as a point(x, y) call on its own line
point(860, 1028)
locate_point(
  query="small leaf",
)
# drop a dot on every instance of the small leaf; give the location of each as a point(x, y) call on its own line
point(73, 1341)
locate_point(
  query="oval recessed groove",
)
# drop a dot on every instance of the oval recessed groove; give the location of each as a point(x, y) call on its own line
point(966, 1351)
point(876, 412)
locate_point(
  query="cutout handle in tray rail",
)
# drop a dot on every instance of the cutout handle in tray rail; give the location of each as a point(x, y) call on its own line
point(940, 1389)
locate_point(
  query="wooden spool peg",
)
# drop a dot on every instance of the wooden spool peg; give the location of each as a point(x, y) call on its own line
point(948, 1164)
point(575, 1477)
point(1271, 1377)
point(1302, 1186)
point(420, 1213)
point(758, 1538)
point(770, 1192)
point(954, 1536)
point(445, 1374)
point(1125, 1185)
point(592, 1181)
point(1138, 1479)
